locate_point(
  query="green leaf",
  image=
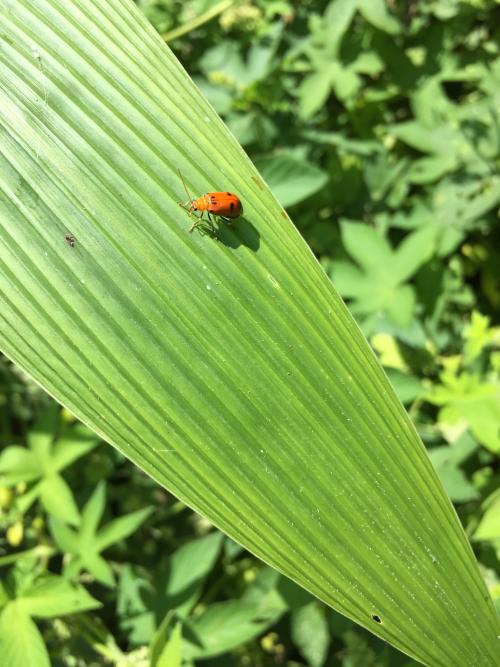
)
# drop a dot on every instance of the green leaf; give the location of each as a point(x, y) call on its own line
point(54, 596)
point(171, 656)
point(415, 250)
point(348, 279)
point(478, 335)
point(435, 140)
point(40, 551)
point(469, 400)
point(290, 178)
point(454, 480)
point(40, 437)
point(293, 596)
point(225, 58)
point(369, 62)
point(489, 525)
point(228, 369)
point(358, 652)
point(457, 205)
point(25, 501)
point(267, 591)
point(430, 169)
point(370, 250)
point(92, 514)
point(310, 633)
point(344, 144)
point(187, 568)
point(375, 12)
point(176, 587)
point(20, 641)
point(64, 536)
point(57, 499)
point(381, 172)
point(97, 567)
point(222, 627)
point(379, 288)
point(407, 387)
point(338, 17)
point(314, 91)
point(73, 567)
point(89, 541)
point(139, 606)
point(345, 81)
point(120, 528)
point(18, 464)
point(4, 596)
point(252, 127)
point(161, 637)
point(400, 305)
point(74, 443)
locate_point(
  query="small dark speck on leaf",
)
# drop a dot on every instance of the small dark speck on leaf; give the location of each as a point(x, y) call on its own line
point(376, 618)
point(258, 182)
point(70, 240)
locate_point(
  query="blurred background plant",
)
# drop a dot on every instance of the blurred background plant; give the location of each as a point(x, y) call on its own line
point(377, 126)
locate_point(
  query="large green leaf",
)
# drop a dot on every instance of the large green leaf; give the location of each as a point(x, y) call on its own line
point(227, 369)
point(20, 640)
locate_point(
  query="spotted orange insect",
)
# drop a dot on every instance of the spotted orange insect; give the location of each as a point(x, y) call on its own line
point(223, 205)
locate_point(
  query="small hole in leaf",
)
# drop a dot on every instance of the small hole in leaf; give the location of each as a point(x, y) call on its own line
point(376, 618)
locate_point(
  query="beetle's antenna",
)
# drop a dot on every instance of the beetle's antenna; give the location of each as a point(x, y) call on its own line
point(185, 186)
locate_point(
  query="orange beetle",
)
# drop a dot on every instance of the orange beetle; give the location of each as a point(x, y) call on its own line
point(224, 205)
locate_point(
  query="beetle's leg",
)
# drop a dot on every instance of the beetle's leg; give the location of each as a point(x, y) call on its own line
point(211, 223)
point(207, 229)
point(197, 222)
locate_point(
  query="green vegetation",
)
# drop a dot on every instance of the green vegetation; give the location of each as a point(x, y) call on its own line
point(377, 126)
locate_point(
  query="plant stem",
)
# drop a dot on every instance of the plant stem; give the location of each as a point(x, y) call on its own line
point(198, 20)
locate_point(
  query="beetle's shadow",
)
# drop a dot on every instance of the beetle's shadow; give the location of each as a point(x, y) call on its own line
point(234, 234)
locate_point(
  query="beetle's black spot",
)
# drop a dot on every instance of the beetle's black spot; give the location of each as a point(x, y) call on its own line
point(228, 194)
point(376, 618)
point(231, 206)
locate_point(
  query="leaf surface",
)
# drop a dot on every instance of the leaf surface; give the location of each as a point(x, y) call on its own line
point(228, 369)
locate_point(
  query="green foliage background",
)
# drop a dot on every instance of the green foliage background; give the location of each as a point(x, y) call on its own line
point(377, 126)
